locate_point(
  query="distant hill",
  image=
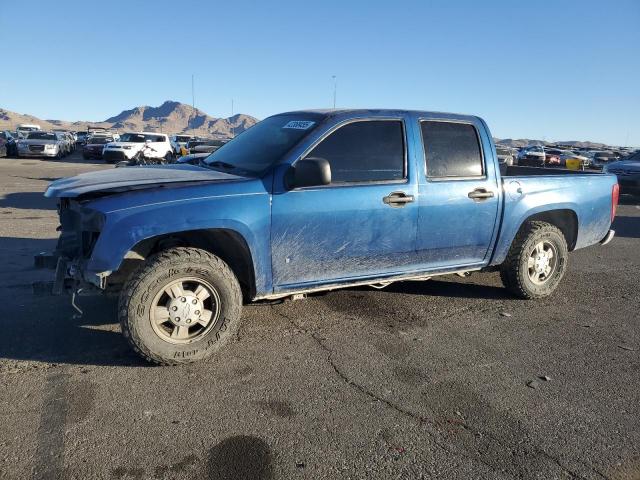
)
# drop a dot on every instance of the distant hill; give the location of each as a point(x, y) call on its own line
point(170, 117)
point(176, 117)
point(523, 142)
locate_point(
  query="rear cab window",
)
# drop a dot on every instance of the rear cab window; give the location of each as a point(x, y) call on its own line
point(365, 151)
point(452, 150)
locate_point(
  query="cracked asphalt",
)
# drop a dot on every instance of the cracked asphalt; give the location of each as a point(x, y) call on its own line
point(419, 380)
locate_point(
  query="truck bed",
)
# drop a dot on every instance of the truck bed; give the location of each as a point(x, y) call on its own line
point(534, 190)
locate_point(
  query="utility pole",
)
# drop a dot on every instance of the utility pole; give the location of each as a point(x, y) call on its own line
point(193, 101)
point(335, 88)
point(233, 134)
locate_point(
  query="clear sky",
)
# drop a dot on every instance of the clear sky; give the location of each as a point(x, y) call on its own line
point(553, 69)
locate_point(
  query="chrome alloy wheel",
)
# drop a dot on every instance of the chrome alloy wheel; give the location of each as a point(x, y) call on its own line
point(542, 262)
point(185, 310)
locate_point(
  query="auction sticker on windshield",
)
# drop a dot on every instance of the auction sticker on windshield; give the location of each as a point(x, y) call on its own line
point(299, 124)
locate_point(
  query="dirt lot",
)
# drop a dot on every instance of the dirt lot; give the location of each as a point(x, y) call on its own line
point(420, 380)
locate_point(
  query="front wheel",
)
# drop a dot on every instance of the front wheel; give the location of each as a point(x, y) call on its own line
point(168, 158)
point(536, 261)
point(181, 306)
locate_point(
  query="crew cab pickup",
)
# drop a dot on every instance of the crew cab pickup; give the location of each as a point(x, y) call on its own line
point(316, 200)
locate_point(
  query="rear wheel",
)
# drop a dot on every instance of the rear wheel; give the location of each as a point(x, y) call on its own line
point(536, 261)
point(181, 306)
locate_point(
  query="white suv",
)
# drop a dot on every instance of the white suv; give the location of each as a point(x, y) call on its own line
point(131, 143)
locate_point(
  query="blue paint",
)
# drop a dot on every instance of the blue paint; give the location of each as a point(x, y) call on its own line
point(311, 237)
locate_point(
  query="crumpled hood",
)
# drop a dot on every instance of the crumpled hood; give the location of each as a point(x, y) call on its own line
point(134, 178)
point(632, 166)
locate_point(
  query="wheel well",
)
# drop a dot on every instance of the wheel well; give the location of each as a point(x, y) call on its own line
point(226, 244)
point(566, 220)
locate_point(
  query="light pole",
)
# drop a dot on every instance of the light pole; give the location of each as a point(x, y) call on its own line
point(193, 103)
point(233, 133)
point(335, 88)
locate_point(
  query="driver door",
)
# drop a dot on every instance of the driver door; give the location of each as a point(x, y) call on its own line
point(362, 224)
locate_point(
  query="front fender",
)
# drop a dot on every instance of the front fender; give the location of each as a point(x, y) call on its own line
point(247, 214)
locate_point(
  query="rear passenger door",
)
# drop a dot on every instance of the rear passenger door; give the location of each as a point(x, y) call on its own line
point(459, 195)
point(362, 224)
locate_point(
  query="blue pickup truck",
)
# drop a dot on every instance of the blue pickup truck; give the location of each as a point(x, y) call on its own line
point(316, 200)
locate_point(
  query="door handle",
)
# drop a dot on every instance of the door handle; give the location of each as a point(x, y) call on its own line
point(480, 194)
point(398, 199)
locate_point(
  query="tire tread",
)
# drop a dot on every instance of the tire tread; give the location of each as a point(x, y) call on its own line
point(165, 259)
point(510, 272)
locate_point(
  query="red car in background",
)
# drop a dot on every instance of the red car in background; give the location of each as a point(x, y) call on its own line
point(552, 157)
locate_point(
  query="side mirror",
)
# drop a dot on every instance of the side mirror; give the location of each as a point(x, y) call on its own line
point(309, 172)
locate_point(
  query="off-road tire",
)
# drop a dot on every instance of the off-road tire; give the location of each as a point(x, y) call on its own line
point(161, 269)
point(514, 270)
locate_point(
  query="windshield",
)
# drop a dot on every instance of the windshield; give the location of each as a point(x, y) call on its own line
point(132, 137)
point(41, 136)
point(255, 150)
point(182, 138)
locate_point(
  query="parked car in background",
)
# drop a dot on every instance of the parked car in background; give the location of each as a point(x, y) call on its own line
point(533, 156)
point(81, 137)
point(68, 145)
point(628, 173)
point(180, 142)
point(130, 143)
point(552, 157)
point(194, 143)
point(574, 161)
point(94, 147)
point(10, 142)
point(3, 147)
point(41, 144)
point(207, 146)
point(600, 159)
point(505, 156)
point(24, 129)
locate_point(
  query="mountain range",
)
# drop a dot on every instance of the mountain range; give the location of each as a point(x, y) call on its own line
point(176, 117)
point(523, 142)
point(170, 117)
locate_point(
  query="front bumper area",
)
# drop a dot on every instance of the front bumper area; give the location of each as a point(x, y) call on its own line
point(113, 155)
point(69, 276)
point(62, 283)
point(45, 153)
point(93, 154)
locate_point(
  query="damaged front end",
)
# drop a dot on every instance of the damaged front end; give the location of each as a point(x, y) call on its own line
point(79, 230)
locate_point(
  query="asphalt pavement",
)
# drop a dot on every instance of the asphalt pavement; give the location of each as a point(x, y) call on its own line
point(450, 378)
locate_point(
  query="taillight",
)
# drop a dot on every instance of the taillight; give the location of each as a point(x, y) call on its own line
point(615, 197)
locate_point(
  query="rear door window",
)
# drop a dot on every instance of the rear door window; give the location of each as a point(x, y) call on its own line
point(452, 149)
point(364, 151)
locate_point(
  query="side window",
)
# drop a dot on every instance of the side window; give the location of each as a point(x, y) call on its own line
point(364, 151)
point(451, 149)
